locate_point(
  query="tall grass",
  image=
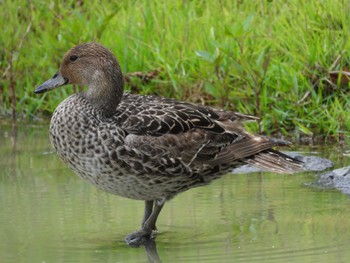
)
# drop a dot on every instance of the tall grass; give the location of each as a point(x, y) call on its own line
point(267, 58)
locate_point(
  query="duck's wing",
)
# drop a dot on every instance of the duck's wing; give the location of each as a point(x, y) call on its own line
point(201, 137)
point(189, 131)
point(157, 116)
point(168, 134)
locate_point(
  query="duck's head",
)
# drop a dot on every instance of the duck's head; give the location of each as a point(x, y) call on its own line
point(91, 65)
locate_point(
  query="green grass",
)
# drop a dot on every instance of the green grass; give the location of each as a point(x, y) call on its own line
point(267, 58)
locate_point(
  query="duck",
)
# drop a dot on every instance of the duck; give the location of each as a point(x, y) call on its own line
point(147, 147)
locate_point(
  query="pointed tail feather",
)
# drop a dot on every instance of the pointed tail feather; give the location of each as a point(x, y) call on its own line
point(275, 161)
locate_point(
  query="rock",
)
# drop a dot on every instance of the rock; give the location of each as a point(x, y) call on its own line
point(336, 179)
point(314, 163)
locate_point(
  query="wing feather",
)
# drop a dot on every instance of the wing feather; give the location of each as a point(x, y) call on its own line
point(200, 138)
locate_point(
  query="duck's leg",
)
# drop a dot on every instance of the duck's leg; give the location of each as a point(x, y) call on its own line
point(148, 211)
point(148, 224)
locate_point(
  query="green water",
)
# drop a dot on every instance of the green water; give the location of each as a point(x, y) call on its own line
point(50, 215)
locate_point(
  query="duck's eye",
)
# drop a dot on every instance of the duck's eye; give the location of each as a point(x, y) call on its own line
point(73, 58)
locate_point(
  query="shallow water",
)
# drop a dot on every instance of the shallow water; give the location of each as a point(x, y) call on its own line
point(49, 215)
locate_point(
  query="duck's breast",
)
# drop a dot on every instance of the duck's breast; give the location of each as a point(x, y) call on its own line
point(85, 141)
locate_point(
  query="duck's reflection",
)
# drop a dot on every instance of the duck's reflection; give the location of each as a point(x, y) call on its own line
point(151, 251)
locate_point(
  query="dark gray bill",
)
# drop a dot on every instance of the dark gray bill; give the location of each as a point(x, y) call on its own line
point(56, 81)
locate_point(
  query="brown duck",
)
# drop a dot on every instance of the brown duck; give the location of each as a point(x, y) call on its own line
point(146, 147)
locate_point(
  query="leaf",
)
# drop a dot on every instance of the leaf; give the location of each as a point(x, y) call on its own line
point(237, 66)
point(212, 90)
point(302, 128)
point(205, 55)
point(247, 22)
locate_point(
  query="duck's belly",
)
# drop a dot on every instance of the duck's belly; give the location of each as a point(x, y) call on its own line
point(109, 176)
point(122, 183)
point(95, 166)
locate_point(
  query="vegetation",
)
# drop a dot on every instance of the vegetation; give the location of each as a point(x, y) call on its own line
point(279, 60)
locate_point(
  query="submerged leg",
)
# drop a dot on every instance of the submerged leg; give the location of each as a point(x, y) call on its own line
point(148, 225)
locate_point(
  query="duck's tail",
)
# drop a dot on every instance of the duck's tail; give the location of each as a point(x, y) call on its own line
point(275, 161)
point(259, 152)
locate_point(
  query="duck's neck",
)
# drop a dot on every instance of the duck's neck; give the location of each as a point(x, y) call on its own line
point(105, 94)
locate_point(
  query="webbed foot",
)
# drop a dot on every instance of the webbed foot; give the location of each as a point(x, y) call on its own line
point(140, 237)
point(149, 230)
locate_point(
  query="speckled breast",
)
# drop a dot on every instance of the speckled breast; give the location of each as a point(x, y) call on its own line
point(86, 145)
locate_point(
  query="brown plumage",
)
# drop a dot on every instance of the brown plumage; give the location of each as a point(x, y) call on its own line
point(146, 147)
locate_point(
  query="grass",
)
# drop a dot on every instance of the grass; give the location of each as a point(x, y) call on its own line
point(267, 58)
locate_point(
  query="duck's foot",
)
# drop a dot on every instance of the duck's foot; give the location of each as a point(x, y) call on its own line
point(149, 230)
point(140, 237)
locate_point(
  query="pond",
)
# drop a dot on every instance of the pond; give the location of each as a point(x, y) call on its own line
point(50, 215)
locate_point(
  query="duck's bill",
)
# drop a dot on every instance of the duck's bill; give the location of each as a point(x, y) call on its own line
point(56, 81)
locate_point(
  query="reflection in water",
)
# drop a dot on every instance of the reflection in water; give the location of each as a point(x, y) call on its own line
point(12, 135)
point(151, 251)
point(49, 215)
